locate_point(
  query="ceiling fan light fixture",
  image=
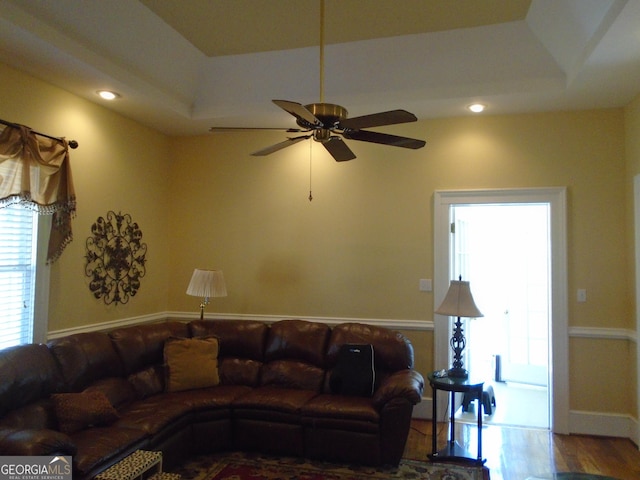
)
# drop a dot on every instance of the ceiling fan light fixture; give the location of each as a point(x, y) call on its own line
point(476, 107)
point(321, 135)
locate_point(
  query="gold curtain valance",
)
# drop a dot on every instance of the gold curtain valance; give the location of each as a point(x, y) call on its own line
point(35, 171)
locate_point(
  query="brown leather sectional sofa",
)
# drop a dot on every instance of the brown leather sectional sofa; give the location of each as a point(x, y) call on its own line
point(273, 395)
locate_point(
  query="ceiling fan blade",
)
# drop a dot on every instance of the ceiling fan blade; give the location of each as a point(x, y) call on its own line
point(279, 146)
point(338, 149)
point(384, 139)
point(249, 129)
point(391, 117)
point(299, 111)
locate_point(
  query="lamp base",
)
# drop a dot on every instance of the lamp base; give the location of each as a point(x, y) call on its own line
point(457, 373)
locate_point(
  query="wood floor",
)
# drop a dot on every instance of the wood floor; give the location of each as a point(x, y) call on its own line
point(519, 453)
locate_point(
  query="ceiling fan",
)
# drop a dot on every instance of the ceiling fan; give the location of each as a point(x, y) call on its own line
point(328, 123)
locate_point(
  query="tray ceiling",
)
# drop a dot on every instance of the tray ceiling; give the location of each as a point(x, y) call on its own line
point(182, 67)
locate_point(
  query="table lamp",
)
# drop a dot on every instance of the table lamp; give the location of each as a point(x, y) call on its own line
point(458, 303)
point(206, 284)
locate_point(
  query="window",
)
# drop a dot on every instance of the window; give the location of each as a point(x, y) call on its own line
point(28, 160)
point(21, 278)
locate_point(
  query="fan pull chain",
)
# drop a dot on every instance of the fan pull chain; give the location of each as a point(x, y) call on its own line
point(310, 163)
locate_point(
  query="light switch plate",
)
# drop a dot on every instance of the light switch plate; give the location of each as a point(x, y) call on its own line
point(426, 285)
point(582, 295)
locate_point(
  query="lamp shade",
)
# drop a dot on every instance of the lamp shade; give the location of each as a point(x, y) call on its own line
point(459, 302)
point(207, 284)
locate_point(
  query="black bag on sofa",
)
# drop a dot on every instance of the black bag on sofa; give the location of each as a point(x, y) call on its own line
point(354, 373)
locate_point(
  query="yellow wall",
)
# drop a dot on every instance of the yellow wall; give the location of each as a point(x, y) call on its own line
point(360, 247)
point(119, 166)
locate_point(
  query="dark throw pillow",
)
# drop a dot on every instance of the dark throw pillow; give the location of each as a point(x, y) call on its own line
point(354, 373)
point(77, 411)
point(148, 382)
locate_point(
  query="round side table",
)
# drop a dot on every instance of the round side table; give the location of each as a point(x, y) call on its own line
point(453, 451)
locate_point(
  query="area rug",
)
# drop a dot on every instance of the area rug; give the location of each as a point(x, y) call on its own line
point(573, 476)
point(246, 466)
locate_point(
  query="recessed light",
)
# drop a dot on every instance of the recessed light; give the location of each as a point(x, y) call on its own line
point(476, 107)
point(107, 94)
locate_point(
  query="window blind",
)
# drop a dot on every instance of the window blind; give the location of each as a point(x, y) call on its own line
point(18, 237)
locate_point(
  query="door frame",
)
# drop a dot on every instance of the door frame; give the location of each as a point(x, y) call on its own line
point(636, 221)
point(559, 331)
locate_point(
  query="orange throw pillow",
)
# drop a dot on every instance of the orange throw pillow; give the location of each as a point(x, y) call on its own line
point(191, 363)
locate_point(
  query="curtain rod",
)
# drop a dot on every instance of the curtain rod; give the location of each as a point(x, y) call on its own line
point(72, 143)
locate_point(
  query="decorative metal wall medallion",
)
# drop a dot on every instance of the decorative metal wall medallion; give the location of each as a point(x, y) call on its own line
point(115, 258)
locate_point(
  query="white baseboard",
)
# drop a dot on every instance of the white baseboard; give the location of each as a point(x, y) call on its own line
point(580, 423)
point(423, 410)
point(603, 424)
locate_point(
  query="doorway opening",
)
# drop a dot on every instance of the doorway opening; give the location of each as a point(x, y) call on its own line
point(503, 250)
point(520, 288)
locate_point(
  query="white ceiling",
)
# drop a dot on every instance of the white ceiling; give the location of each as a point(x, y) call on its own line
point(182, 67)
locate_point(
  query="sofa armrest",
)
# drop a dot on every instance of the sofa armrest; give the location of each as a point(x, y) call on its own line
point(407, 384)
point(15, 441)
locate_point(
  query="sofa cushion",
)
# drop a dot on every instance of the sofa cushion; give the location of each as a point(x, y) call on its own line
point(338, 408)
point(214, 398)
point(241, 348)
point(142, 346)
point(149, 381)
point(191, 363)
point(298, 340)
point(392, 350)
point(28, 373)
point(240, 371)
point(165, 412)
point(274, 399)
point(85, 358)
point(292, 374)
point(28, 442)
point(154, 414)
point(36, 415)
point(100, 447)
point(238, 338)
point(117, 389)
point(77, 411)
